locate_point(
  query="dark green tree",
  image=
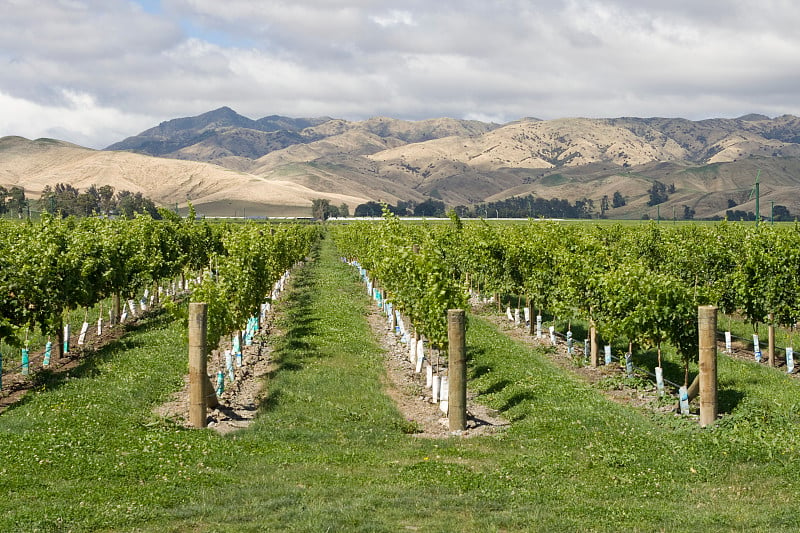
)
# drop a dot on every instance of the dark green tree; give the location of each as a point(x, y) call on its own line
point(16, 202)
point(369, 209)
point(780, 213)
point(429, 208)
point(320, 208)
point(658, 193)
point(605, 204)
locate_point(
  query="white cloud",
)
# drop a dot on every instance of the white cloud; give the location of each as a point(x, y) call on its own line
point(394, 18)
point(80, 121)
point(97, 70)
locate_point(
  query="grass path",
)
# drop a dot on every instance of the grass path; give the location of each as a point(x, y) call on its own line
point(328, 452)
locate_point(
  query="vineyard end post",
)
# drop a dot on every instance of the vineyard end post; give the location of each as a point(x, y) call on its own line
point(771, 340)
point(532, 317)
point(58, 346)
point(707, 331)
point(457, 370)
point(115, 308)
point(197, 364)
point(593, 348)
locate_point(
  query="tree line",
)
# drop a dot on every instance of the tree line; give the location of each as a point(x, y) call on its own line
point(13, 201)
point(528, 206)
point(66, 200)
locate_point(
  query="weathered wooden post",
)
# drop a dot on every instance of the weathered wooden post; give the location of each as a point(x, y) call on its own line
point(457, 370)
point(115, 309)
point(532, 316)
point(707, 331)
point(58, 347)
point(197, 364)
point(593, 343)
point(771, 340)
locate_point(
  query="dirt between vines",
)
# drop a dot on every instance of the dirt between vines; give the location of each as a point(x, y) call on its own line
point(238, 404)
point(644, 397)
point(16, 385)
point(413, 399)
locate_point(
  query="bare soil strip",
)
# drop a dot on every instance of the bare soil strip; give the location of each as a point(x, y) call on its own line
point(413, 399)
point(16, 385)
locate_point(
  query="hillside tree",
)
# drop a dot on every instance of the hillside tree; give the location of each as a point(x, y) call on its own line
point(658, 193)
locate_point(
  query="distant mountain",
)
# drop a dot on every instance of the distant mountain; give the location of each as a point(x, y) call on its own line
point(216, 134)
point(709, 164)
point(224, 133)
point(215, 190)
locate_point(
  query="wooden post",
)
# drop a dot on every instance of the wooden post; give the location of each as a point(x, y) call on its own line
point(457, 370)
point(593, 343)
point(212, 401)
point(532, 315)
point(197, 364)
point(58, 347)
point(771, 340)
point(115, 311)
point(707, 330)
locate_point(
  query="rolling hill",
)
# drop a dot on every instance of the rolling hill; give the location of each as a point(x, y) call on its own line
point(224, 159)
point(216, 191)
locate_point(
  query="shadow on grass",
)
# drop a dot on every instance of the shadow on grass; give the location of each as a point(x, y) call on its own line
point(478, 371)
point(496, 387)
point(298, 324)
point(515, 401)
point(728, 400)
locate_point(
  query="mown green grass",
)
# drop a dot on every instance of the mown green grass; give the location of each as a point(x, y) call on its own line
point(328, 451)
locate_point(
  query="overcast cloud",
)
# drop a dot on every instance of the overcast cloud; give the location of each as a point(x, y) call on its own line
point(95, 71)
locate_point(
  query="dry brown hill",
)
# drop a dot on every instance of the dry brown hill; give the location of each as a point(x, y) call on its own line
point(711, 164)
point(214, 190)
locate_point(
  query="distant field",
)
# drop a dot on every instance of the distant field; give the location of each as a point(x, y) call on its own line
point(234, 208)
point(590, 221)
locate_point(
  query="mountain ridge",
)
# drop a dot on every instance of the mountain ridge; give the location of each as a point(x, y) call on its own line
point(709, 163)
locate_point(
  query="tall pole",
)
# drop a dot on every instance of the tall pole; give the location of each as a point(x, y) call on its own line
point(707, 330)
point(758, 198)
point(457, 370)
point(197, 364)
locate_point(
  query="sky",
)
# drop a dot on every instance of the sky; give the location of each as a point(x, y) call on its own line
point(93, 72)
